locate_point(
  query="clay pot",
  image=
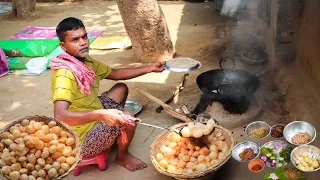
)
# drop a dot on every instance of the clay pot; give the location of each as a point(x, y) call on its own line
point(255, 162)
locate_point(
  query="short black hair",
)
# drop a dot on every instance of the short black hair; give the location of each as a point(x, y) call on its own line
point(68, 24)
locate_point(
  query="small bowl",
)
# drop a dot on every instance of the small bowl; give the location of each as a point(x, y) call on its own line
point(256, 162)
point(241, 147)
point(312, 150)
point(258, 125)
point(282, 125)
point(296, 127)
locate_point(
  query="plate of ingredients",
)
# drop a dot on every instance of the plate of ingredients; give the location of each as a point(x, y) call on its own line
point(182, 64)
point(276, 153)
point(132, 106)
point(285, 174)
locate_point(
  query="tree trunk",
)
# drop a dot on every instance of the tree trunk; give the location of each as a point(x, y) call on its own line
point(147, 28)
point(23, 8)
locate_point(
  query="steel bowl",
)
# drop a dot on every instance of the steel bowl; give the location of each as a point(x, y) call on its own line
point(274, 127)
point(132, 106)
point(296, 127)
point(258, 125)
point(312, 150)
point(241, 147)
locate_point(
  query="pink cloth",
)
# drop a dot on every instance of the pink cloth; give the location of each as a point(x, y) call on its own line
point(4, 63)
point(31, 32)
point(84, 75)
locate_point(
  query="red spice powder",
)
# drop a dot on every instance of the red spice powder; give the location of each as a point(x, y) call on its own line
point(256, 168)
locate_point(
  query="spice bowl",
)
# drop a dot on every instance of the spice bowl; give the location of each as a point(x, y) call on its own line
point(240, 147)
point(297, 127)
point(277, 130)
point(256, 165)
point(258, 129)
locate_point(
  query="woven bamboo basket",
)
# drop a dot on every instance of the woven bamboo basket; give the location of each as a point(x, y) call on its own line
point(161, 139)
point(76, 146)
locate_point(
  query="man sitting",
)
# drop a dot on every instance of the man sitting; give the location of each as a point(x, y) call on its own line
point(99, 121)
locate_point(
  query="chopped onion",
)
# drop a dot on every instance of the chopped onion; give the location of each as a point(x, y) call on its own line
point(264, 158)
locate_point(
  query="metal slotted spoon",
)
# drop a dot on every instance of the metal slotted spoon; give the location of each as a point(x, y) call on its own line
point(138, 121)
point(159, 127)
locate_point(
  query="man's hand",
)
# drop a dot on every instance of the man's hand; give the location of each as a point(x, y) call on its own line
point(157, 66)
point(112, 117)
point(128, 73)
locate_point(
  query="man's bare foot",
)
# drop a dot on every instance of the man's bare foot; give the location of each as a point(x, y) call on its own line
point(130, 162)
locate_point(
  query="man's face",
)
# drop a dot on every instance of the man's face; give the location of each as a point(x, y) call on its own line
point(76, 43)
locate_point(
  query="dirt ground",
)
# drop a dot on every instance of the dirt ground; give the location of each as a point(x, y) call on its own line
point(197, 30)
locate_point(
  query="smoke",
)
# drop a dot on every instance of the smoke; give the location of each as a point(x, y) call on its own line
point(232, 7)
point(246, 29)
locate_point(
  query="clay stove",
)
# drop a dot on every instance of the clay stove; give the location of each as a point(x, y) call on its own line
point(227, 113)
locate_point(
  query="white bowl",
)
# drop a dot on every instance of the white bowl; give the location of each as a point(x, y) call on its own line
point(312, 150)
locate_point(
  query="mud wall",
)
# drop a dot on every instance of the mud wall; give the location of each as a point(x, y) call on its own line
point(296, 65)
point(308, 46)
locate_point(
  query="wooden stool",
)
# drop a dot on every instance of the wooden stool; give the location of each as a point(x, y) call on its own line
point(100, 159)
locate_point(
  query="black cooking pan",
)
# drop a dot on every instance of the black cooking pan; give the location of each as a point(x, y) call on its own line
point(231, 84)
